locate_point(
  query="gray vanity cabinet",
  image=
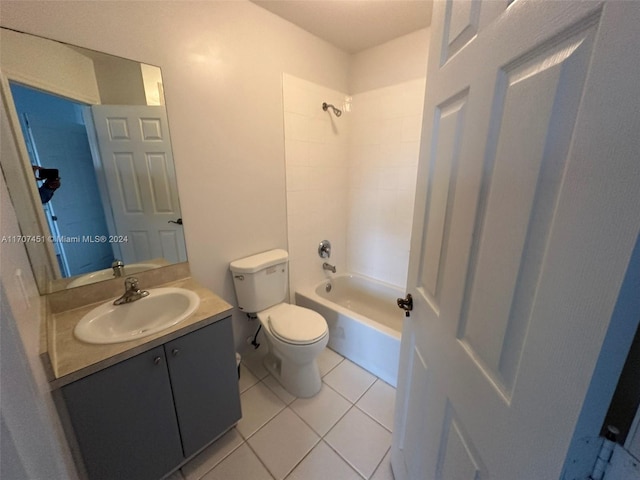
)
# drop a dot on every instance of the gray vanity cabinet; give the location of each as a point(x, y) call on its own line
point(124, 419)
point(141, 418)
point(202, 368)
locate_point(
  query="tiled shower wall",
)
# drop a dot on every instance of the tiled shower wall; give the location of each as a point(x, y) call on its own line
point(383, 159)
point(316, 153)
point(351, 179)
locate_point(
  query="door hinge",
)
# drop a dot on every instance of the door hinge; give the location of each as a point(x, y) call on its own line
point(606, 451)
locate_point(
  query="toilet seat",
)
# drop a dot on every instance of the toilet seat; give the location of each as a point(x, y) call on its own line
point(296, 325)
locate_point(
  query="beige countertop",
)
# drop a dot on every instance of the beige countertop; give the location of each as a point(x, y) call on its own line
point(71, 359)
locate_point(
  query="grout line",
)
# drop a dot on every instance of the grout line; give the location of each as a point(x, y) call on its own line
point(332, 426)
point(260, 460)
point(184, 476)
point(353, 467)
point(322, 440)
point(375, 470)
point(265, 423)
point(302, 459)
point(373, 418)
point(335, 366)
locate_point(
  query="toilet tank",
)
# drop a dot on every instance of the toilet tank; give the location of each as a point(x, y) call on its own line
point(260, 280)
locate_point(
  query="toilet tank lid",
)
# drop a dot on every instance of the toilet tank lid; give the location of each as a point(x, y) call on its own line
point(258, 262)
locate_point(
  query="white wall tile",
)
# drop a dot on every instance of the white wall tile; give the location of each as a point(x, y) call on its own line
point(316, 188)
point(356, 193)
point(383, 152)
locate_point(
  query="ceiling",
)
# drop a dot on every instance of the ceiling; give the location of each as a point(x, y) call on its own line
point(353, 25)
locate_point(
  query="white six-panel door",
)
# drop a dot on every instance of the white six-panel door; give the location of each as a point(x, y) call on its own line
point(136, 154)
point(527, 210)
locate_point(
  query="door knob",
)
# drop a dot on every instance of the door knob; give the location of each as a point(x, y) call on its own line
point(178, 221)
point(406, 304)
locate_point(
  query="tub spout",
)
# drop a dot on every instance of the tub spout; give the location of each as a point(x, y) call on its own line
point(326, 266)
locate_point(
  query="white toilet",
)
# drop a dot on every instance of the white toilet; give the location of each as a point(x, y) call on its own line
point(295, 335)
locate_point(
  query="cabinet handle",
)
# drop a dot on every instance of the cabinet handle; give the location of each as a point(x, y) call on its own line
point(157, 360)
point(175, 352)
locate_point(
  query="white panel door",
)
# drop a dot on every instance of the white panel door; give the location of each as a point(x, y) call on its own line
point(135, 149)
point(527, 210)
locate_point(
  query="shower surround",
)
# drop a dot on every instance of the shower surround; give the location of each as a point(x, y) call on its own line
point(351, 179)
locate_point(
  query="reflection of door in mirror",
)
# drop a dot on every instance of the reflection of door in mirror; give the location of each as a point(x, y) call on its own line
point(56, 138)
point(137, 161)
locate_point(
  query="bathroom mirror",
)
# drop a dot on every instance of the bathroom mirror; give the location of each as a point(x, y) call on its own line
point(87, 158)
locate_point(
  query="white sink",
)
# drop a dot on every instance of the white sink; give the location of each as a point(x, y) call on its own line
point(107, 274)
point(163, 308)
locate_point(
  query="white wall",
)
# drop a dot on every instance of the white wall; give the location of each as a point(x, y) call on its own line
point(401, 59)
point(59, 68)
point(28, 414)
point(222, 65)
point(316, 152)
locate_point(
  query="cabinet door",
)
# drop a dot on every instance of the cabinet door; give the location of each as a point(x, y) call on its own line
point(125, 421)
point(203, 374)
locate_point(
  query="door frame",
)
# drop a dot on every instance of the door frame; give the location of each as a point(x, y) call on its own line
point(22, 189)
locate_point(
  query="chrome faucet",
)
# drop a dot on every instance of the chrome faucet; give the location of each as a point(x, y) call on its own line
point(118, 268)
point(326, 266)
point(131, 292)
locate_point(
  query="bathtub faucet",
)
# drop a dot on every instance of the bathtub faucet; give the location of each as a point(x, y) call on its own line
point(326, 266)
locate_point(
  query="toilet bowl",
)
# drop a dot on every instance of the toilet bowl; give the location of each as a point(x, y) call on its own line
point(295, 335)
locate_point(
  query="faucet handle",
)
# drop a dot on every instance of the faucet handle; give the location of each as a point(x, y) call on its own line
point(117, 263)
point(131, 283)
point(324, 249)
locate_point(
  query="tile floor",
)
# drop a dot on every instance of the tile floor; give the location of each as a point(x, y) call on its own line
point(343, 433)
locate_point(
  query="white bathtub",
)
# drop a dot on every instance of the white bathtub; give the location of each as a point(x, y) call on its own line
point(364, 321)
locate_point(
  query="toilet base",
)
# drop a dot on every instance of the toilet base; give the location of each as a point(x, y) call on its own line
point(301, 381)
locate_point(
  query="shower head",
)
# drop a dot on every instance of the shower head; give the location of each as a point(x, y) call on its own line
point(337, 112)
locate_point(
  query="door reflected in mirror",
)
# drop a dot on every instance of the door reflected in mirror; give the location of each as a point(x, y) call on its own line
point(96, 160)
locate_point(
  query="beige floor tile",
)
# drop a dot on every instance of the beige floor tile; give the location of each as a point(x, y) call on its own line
point(212, 455)
point(361, 441)
point(323, 464)
point(242, 464)
point(349, 380)
point(259, 405)
point(283, 442)
point(378, 403)
point(323, 410)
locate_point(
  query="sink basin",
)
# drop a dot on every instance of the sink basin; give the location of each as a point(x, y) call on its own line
point(107, 274)
point(163, 308)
